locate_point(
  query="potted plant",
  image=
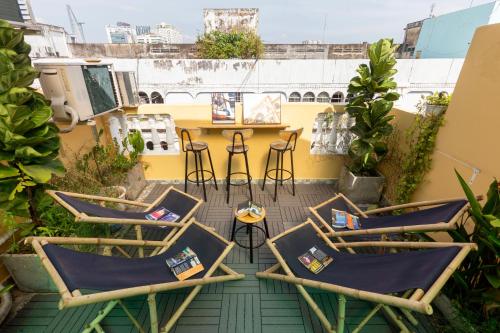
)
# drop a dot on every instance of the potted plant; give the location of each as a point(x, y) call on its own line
point(475, 291)
point(29, 142)
point(437, 103)
point(372, 99)
point(116, 169)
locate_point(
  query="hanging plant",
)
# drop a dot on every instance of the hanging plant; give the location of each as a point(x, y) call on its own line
point(421, 141)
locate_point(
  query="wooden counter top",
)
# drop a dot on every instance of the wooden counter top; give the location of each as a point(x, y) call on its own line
point(209, 125)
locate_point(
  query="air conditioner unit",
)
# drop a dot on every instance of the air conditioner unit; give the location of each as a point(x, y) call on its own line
point(78, 88)
point(127, 85)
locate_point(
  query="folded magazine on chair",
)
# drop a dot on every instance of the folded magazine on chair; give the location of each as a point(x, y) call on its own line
point(315, 260)
point(185, 264)
point(162, 214)
point(342, 219)
point(249, 208)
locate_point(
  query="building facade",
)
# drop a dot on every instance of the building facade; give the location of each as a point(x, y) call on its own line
point(169, 33)
point(188, 81)
point(228, 19)
point(449, 35)
point(121, 33)
point(142, 30)
point(412, 31)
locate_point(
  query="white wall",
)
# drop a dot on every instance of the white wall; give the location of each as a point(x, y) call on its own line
point(192, 76)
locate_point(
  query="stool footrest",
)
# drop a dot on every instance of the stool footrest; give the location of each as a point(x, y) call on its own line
point(288, 172)
point(244, 181)
point(199, 178)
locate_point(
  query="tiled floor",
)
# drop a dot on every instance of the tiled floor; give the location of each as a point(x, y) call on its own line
point(249, 305)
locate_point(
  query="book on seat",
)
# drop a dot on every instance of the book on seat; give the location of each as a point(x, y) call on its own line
point(162, 214)
point(342, 219)
point(185, 264)
point(315, 260)
point(250, 208)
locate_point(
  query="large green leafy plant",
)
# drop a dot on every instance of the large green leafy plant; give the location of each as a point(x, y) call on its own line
point(29, 143)
point(227, 45)
point(477, 282)
point(372, 99)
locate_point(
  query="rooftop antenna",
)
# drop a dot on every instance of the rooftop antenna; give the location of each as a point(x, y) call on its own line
point(431, 14)
point(76, 27)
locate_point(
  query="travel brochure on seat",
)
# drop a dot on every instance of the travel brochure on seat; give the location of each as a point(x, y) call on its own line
point(315, 260)
point(185, 264)
point(342, 219)
point(249, 208)
point(162, 214)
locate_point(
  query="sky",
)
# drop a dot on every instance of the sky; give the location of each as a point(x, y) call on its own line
point(280, 21)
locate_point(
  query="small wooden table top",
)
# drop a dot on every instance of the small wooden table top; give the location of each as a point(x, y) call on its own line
point(248, 219)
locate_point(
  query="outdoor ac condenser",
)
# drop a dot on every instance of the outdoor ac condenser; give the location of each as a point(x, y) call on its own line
point(79, 90)
point(127, 86)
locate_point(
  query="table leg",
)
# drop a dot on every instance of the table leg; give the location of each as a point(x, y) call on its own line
point(265, 226)
point(234, 227)
point(251, 245)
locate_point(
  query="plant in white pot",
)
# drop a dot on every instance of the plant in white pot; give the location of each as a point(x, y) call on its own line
point(373, 95)
point(437, 103)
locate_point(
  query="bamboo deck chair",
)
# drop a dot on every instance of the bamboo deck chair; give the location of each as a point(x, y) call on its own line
point(111, 279)
point(444, 215)
point(405, 280)
point(177, 201)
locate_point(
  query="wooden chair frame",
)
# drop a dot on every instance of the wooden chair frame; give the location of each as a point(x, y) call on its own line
point(75, 298)
point(137, 223)
point(412, 300)
point(439, 226)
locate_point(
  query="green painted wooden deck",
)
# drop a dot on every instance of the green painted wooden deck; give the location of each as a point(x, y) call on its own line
point(249, 305)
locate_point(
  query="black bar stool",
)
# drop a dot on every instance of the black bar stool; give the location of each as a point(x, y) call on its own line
point(238, 146)
point(187, 136)
point(287, 142)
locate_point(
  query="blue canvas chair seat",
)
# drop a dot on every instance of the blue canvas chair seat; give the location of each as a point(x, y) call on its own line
point(110, 279)
point(442, 216)
point(407, 280)
point(81, 270)
point(172, 199)
point(379, 273)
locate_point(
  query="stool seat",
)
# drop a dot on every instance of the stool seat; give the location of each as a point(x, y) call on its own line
point(237, 149)
point(280, 145)
point(196, 146)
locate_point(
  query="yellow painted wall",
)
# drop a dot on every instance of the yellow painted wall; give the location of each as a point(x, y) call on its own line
point(470, 135)
point(81, 139)
point(307, 166)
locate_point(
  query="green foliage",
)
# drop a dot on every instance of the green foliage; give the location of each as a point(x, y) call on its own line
point(436, 98)
point(416, 162)
point(229, 45)
point(372, 99)
point(6, 289)
point(29, 144)
point(477, 282)
point(107, 164)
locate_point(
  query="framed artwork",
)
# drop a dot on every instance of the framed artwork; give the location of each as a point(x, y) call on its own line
point(223, 108)
point(262, 108)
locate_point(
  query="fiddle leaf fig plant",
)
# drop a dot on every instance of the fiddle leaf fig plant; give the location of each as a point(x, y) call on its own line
point(372, 99)
point(29, 143)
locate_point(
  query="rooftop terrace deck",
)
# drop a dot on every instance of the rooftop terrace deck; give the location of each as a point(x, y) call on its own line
point(249, 305)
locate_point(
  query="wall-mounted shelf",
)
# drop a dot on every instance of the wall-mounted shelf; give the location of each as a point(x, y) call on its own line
point(210, 125)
